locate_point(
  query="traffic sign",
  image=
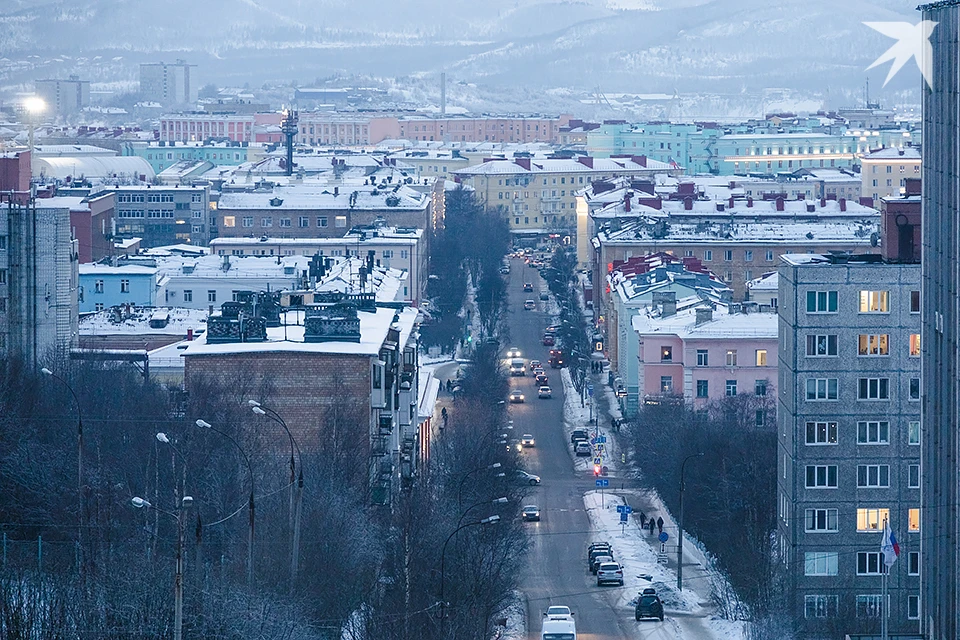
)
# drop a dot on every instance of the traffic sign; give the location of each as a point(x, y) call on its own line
point(627, 508)
point(603, 482)
point(594, 440)
point(598, 461)
point(620, 508)
point(601, 439)
point(663, 537)
point(623, 517)
point(590, 390)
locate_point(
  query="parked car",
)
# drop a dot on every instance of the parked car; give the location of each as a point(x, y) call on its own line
point(578, 434)
point(531, 513)
point(528, 287)
point(549, 340)
point(504, 270)
point(552, 329)
point(596, 545)
point(516, 396)
point(603, 557)
point(649, 605)
point(544, 392)
point(582, 448)
point(527, 478)
point(609, 572)
point(544, 295)
point(527, 440)
point(529, 305)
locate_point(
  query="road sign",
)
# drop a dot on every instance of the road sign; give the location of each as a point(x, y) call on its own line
point(590, 390)
point(627, 508)
point(594, 440)
point(623, 517)
point(603, 482)
point(598, 461)
point(663, 537)
point(601, 439)
point(620, 508)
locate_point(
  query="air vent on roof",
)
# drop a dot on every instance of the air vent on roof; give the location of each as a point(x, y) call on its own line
point(276, 202)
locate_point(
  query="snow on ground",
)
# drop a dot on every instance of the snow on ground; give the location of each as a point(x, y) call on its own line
point(516, 614)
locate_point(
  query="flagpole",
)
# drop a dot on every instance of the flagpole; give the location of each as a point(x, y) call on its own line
point(883, 584)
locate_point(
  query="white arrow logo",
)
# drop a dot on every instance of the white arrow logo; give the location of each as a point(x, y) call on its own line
point(913, 41)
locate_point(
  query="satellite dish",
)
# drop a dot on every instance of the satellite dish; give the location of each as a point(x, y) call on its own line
point(874, 239)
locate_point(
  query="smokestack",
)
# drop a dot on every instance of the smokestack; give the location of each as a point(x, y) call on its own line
point(626, 201)
point(443, 94)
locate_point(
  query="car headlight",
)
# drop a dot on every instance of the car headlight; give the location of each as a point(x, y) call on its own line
point(518, 447)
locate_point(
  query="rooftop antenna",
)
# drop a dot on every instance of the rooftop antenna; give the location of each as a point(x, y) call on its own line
point(289, 128)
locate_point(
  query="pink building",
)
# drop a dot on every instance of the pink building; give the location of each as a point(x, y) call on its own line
point(197, 127)
point(346, 128)
point(705, 354)
point(462, 129)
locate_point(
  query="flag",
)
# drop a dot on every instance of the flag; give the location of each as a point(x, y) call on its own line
point(673, 163)
point(889, 546)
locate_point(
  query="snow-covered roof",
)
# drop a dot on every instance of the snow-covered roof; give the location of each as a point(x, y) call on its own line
point(891, 153)
point(724, 325)
point(765, 232)
point(751, 136)
point(385, 235)
point(323, 197)
point(91, 269)
point(289, 338)
point(74, 203)
point(766, 282)
point(138, 323)
point(92, 167)
point(564, 165)
point(748, 209)
point(230, 267)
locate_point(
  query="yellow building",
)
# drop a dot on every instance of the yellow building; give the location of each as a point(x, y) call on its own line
point(884, 172)
point(538, 196)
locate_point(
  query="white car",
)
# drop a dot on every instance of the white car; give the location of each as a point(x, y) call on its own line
point(544, 392)
point(529, 305)
point(527, 440)
point(583, 448)
point(609, 572)
point(558, 611)
point(516, 396)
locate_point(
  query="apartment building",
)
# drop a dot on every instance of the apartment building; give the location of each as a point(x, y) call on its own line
point(884, 173)
point(168, 84)
point(346, 128)
point(503, 129)
point(64, 97)
point(849, 441)
point(163, 215)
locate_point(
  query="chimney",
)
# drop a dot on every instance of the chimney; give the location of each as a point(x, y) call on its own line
point(866, 201)
point(811, 208)
point(730, 203)
point(688, 204)
point(704, 315)
point(913, 187)
point(731, 185)
point(749, 202)
point(626, 201)
point(823, 202)
point(586, 161)
point(640, 160)
point(779, 204)
point(668, 308)
point(843, 204)
point(523, 162)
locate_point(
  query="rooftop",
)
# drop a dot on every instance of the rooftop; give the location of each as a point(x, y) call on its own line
point(900, 153)
point(325, 197)
point(564, 165)
point(723, 325)
point(137, 322)
point(769, 232)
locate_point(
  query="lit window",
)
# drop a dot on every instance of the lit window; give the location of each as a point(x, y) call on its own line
point(666, 354)
point(914, 344)
point(731, 357)
point(874, 344)
point(666, 384)
point(913, 520)
point(761, 357)
point(229, 221)
point(872, 520)
point(874, 302)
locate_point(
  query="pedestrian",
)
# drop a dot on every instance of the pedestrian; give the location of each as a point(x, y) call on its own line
point(660, 525)
point(613, 424)
point(652, 525)
point(643, 520)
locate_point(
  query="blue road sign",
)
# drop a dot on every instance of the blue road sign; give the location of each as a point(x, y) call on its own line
point(620, 508)
point(590, 390)
point(599, 482)
point(623, 517)
point(663, 537)
point(601, 439)
point(603, 482)
point(597, 461)
point(627, 509)
point(593, 440)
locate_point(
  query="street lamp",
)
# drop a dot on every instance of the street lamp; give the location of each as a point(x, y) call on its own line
point(34, 106)
point(203, 424)
point(185, 504)
point(680, 524)
point(443, 556)
point(494, 502)
point(296, 494)
point(495, 465)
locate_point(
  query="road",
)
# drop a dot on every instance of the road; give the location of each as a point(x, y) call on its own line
point(556, 570)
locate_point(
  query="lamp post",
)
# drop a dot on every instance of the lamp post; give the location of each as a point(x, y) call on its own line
point(493, 502)
point(206, 425)
point(443, 556)
point(80, 500)
point(680, 527)
point(34, 106)
point(296, 494)
point(495, 465)
point(185, 504)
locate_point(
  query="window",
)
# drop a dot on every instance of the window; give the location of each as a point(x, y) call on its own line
point(821, 301)
point(759, 418)
point(304, 222)
point(340, 221)
point(914, 302)
point(821, 476)
point(707, 255)
point(266, 221)
point(702, 358)
point(913, 607)
point(822, 389)
point(748, 256)
point(731, 357)
point(666, 354)
point(124, 286)
point(821, 433)
point(873, 476)
point(228, 221)
point(869, 606)
point(913, 520)
point(913, 563)
point(869, 563)
point(913, 432)
point(872, 520)
point(211, 295)
point(98, 306)
point(819, 346)
point(913, 476)
point(820, 563)
point(187, 295)
point(914, 388)
point(247, 221)
point(820, 520)
point(703, 389)
point(761, 357)
point(820, 606)
point(874, 344)
point(769, 256)
point(873, 389)
point(98, 286)
point(322, 221)
point(874, 302)
point(728, 255)
point(873, 432)
point(914, 345)
point(666, 384)
point(731, 388)
point(760, 387)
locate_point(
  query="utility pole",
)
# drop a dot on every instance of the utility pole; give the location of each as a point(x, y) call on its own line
point(680, 525)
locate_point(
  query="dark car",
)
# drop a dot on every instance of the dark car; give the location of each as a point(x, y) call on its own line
point(549, 340)
point(578, 434)
point(542, 379)
point(607, 556)
point(528, 286)
point(544, 295)
point(649, 606)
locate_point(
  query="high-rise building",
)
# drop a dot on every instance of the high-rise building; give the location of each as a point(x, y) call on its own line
point(63, 97)
point(941, 282)
point(848, 446)
point(168, 84)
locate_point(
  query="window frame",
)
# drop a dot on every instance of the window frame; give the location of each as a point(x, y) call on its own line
point(865, 392)
point(827, 468)
point(826, 383)
point(864, 480)
point(830, 302)
point(874, 301)
point(864, 430)
point(828, 340)
point(821, 432)
point(815, 515)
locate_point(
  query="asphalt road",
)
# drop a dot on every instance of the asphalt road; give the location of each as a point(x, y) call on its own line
point(556, 571)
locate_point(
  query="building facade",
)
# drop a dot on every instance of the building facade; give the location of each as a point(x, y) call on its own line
point(64, 97)
point(884, 173)
point(163, 215)
point(162, 155)
point(168, 84)
point(484, 129)
point(849, 441)
point(104, 286)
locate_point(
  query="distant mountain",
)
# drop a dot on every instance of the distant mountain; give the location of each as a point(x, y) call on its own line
point(620, 45)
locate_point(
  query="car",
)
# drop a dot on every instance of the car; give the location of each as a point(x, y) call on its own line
point(536, 364)
point(558, 611)
point(516, 396)
point(605, 556)
point(578, 434)
point(532, 264)
point(609, 572)
point(505, 270)
point(544, 295)
point(595, 546)
point(529, 305)
point(537, 371)
point(649, 606)
point(527, 287)
point(527, 478)
point(549, 340)
point(517, 367)
point(544, 392)
point(514, 352)
point(542, 379)
point(552, 329)
point(602, 549)
point(649, 591)
point(527, 440)
point(582, 448)
point(531, 513)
